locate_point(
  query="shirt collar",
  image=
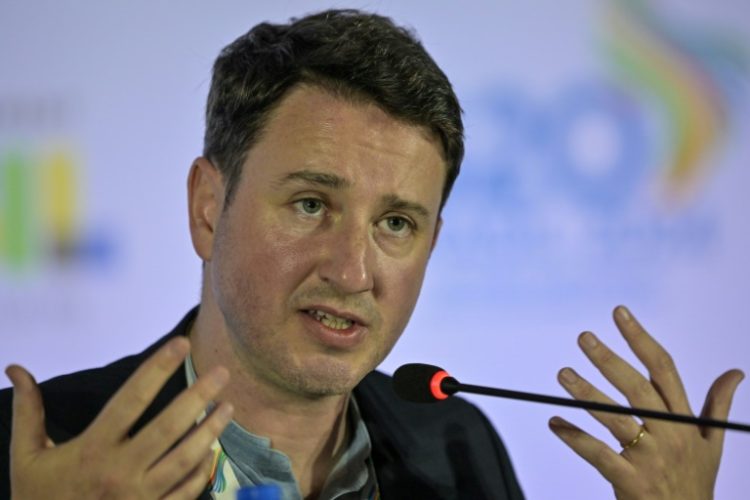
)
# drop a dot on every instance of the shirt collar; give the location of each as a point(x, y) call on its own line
point(256, 462)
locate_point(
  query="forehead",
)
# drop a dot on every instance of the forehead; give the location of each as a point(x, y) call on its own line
point(315, 128)
point(307, 106)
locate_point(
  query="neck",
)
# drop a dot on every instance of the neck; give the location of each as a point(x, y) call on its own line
point(312, 432)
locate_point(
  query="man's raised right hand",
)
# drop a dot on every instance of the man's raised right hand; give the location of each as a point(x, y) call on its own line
point(166, 459)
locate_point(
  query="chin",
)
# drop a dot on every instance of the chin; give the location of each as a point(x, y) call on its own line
point(321, 378)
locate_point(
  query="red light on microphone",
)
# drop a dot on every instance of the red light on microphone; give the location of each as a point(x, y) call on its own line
point(435, 385)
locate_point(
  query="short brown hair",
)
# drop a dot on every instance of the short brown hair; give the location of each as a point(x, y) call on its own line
point(346, 51)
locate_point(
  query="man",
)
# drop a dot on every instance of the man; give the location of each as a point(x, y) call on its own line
point(331, 146)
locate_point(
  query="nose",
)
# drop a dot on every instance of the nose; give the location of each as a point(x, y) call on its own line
point(348, 260)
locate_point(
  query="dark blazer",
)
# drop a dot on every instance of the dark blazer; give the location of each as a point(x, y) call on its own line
point(432, 451)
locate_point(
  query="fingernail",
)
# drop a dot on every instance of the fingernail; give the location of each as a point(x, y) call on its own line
point(559, 425)
point(218, 378)
point(225, 411)
point(589, 340)
point(568, 376)
point(623, 313)
point(19, 377)
point(8, 373)
point(179, 347)
point(555, 422)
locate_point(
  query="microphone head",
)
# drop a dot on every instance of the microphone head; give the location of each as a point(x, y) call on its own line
point(421, 383)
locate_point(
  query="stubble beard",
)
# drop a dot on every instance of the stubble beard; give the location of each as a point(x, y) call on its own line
point(269, 357)
point(268, 360)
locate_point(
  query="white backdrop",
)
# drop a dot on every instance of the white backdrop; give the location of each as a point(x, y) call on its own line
point(606, 163)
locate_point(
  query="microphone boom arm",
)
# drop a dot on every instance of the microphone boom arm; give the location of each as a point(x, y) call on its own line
point(450, 385)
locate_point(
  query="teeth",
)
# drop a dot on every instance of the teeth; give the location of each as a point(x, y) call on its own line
point(330, 320)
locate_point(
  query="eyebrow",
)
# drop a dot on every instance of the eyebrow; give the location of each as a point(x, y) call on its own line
point(393, 202)
point(319, 178)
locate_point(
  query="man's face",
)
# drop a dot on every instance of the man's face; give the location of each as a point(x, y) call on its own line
point(318, 260)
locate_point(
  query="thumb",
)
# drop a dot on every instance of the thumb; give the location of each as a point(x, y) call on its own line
point(28, 432)
point(718, 402)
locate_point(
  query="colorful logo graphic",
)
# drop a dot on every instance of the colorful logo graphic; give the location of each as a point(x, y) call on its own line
point(692, 79)
point(598, 185)
point(41, 219)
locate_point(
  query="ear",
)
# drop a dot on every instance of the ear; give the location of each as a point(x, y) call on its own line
point(205, 204)
point(438, 227)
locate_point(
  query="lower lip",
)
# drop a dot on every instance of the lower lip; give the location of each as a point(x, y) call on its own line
point(341, 339)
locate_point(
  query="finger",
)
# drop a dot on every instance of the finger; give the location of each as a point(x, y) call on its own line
point(609, 464)
point(718, 403)
point(177, 419)
point(656, 359)
point(195, 483)
point(634, 386)
point(28, 433)
point(622, 427)
point(175, 465)
point(132, 399)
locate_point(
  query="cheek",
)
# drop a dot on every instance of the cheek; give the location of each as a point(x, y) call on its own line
point(280, 257)
point(260, 260)
point(401, 292)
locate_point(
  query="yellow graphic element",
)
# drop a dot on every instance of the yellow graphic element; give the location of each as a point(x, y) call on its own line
point(59, 210)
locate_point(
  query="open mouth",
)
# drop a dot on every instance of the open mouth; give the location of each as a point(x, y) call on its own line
point(330, 320)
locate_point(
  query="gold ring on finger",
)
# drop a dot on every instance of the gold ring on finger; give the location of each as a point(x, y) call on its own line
point(636, 440)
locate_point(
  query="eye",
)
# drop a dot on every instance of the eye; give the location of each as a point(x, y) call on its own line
point(397, 225)
point(310, 206)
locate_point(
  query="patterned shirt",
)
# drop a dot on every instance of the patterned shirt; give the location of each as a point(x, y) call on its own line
point(255, 462)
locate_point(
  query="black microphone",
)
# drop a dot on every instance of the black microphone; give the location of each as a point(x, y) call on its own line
point(421, 383)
